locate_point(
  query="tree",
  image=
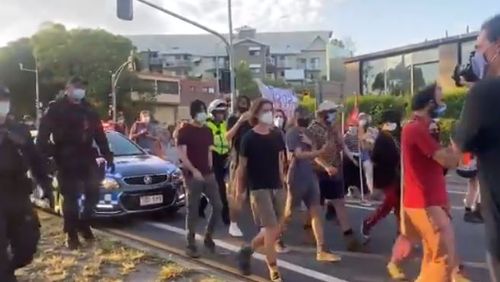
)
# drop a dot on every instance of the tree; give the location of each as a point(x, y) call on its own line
point(245, 83)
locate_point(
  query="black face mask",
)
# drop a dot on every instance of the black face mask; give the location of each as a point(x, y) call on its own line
point(303, 122)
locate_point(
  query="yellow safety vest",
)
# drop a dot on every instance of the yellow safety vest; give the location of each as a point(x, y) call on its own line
point(219, 130)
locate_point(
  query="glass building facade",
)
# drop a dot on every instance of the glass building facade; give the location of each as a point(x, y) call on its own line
point(405, 70)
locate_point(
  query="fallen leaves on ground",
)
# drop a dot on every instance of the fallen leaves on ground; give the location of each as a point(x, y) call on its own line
point(105, 260)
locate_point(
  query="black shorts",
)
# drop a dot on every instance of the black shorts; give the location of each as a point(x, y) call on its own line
point(331, 187)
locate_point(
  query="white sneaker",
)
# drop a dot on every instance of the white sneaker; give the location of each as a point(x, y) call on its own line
point(234, 230)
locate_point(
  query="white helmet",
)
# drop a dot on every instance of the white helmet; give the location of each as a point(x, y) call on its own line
point(217, 105)
point(327, 106)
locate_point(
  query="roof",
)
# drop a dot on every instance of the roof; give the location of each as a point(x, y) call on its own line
point(210, 45)
point(414, 47)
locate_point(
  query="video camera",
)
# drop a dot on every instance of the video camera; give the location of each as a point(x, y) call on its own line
point(465, 71)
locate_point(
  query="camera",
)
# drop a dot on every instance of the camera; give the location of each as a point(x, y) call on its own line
point(466, 72)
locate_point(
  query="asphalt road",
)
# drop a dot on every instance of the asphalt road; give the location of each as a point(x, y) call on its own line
point(300, 264)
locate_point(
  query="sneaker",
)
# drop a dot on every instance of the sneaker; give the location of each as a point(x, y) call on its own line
point(209, 244)
point(87, 234)
point(325, 256)
point(395, 272)
point(274, 274)
point(365, 232)
point(280, 247)
point(244, 260)
point(473, 217)
point(72, 241)
point(234, 230)
point(192, 251)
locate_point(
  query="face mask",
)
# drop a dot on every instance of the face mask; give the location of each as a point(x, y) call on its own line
point(4, 108)
point(303, 122)
point(479, 65)
point(201, 117)
point(77, 94)
point(278, 122)
point(266, 118)
point(390, 126)
point(353, 130)
point(439, 111)
point(331, 117)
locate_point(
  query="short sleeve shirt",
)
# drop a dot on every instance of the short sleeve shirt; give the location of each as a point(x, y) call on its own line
point(198, 141)
point(424, 181)
point(299, 168)
point(321, 135)
point(263, 156)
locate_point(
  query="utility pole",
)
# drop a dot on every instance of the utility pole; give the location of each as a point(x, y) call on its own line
point(231, 56)
point(217, 80)
point(38, 110)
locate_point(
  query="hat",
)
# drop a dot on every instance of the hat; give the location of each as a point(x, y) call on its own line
point(392, 116)
point(327, 106)
point(4, 92)
point(217, 105)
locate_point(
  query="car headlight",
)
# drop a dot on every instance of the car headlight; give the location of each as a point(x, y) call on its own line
point(175, 176)
point(110, 184)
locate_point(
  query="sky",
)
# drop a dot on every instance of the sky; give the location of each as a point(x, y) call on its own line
point(372, 25)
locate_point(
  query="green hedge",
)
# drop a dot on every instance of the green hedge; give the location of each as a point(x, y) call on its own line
point(375, 105)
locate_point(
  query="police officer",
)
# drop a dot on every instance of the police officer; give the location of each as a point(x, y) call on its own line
point(19, 225)
point(220, 150)
point(75, 126)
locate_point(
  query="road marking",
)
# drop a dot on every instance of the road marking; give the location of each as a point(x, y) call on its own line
point(284, 264)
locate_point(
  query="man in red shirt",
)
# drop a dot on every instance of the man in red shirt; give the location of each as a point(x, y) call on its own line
point(426, 213)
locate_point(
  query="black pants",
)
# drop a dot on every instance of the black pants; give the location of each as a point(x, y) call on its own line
point(220, 170)
point(73, 185)
point(351, 175)
point(19, 230)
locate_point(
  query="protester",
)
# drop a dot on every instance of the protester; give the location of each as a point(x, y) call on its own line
point(19, 225)
point(478, 133)
point(145, 133)
point(302, 181)
point(29, 122)
point(350, 166)
point(238, 125)
point(121, 125)
point(193, 143)
point(472, 203)
point(367, 136)
point(220, 153)
point(260, 168)
point(425, 200)
point(324, 130)
point(280, 119)
point(68, 131)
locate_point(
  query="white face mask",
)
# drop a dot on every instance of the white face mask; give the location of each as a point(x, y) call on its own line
point(201, 117)
point(278, 121)
point(267, 118)
point(77, 94)
point(390, 126)
point(4, 108)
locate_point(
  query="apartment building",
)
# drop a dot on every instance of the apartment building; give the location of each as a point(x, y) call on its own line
point(297, 57)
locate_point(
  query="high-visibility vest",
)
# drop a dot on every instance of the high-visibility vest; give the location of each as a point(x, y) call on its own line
point(219, 130)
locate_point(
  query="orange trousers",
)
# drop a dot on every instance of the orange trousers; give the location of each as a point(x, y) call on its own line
point(432, 225)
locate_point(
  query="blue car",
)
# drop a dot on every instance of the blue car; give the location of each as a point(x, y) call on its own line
point(141, 183)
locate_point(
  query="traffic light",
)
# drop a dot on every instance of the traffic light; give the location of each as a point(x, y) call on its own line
point(125, 9)
point(225, 81)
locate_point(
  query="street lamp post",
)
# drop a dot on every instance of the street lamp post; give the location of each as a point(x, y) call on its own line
point(38, 110)
point(114, 81)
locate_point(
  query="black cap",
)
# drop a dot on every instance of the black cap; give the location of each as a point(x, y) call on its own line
point(391, 116)
point(4, 92)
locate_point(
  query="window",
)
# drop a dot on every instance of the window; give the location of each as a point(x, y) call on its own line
point(214, 59)
point(186, 57)
point(255, 71)
point(167, 87)
point(302, 63)
point(282, 57)
point(177, 57)
point(424, 74)
point(314, 63)
point(465, 49)
point(282, 73)
point(121, 146)
point(254, 52)
point(211, 90)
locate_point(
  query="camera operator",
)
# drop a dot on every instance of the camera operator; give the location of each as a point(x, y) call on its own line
point(479, 133)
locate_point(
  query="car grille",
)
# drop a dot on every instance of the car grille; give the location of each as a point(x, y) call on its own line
point(139, 180)
point(131, 200)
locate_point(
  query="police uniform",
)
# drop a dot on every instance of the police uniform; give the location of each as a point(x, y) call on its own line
point(19, 225)
point(220, 153)
point(74, 128)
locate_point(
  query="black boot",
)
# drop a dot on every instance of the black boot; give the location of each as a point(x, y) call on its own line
point(87, 234)
point(72, 241)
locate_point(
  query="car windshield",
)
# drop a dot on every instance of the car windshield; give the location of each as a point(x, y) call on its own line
point(122, 146)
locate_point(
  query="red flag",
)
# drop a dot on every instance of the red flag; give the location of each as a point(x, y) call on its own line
point(353, 116)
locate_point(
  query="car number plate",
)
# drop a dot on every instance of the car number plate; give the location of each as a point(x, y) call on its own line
point(151, 200)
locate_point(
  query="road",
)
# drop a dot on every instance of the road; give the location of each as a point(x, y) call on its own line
point(300, 264)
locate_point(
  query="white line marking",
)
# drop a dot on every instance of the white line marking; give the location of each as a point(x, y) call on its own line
point(287, 265)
